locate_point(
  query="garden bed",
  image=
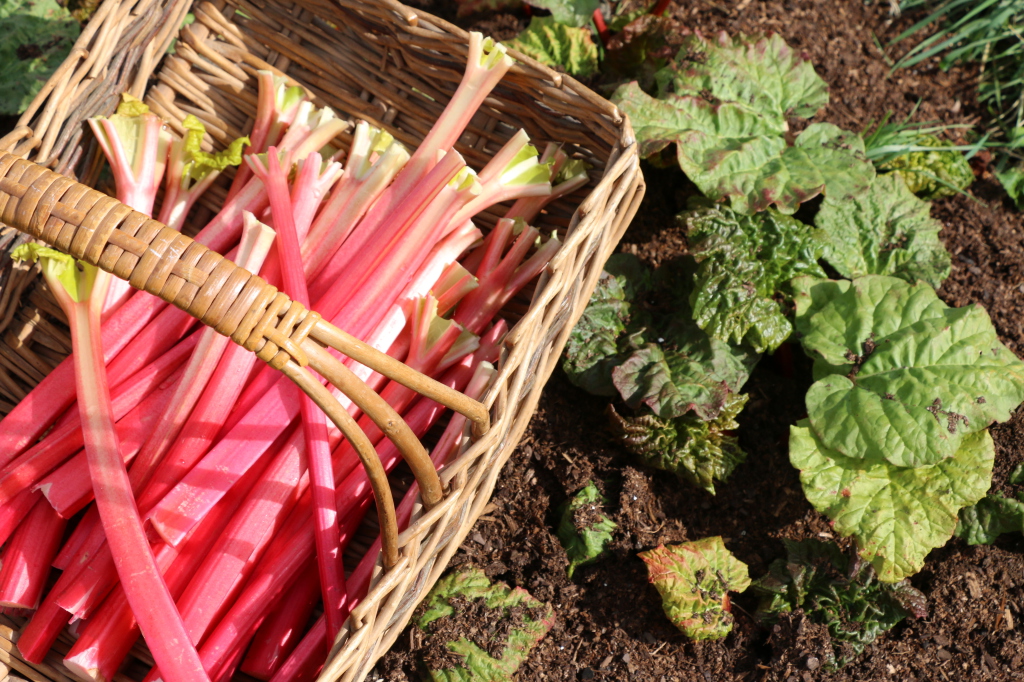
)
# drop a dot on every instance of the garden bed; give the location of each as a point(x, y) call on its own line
point(609, 620)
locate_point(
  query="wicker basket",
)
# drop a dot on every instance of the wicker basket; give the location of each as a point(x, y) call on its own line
point(394, 67)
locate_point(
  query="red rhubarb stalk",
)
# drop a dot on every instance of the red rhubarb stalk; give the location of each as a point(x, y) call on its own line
point(72, 285)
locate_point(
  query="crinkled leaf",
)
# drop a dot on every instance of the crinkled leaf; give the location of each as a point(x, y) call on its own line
point(817, 577)
point(724, 104)
point(761, 72)
point(199, 164)
point(934, 173)
point(558, 45)
point(653, 356)
point(592, 349)
point(519, 636)
point(74, 277)
point(638, 49)
point(913, 377)
point(744, 261)
point(694, 580)
point(468, 7)
point(885, 231)
point(570, 12)
point(992, 516)
point(897, 514)
point(700, 452)
point(35, 38)
point(696, 373)
point(583, 528)
point(1012, 180)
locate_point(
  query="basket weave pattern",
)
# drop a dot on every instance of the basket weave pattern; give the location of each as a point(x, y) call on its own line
point(394, 67)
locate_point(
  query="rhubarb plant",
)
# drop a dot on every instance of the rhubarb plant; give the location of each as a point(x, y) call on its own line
point(895, 443)
point(559, 46)
point(886, 231)
point(583, 528)
point(725, 103)
point(990, 517)
point(479, 631)
point(658, 359)
point(694, 580)
point(697, 451)
point(744, 265)
point(902, 378)
point(931, 171)
point(838, 591)
point(897, 514)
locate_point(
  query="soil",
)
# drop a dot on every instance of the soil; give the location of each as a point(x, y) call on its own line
point(610, 625)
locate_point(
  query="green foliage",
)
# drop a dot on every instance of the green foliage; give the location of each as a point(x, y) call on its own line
point(592, 350)
point(984, 31)
point(897, 514)
point(1012, 180)
point(522, 622)
point(60, 269)
point(885, 231)
point(744, 261)
point(842, 594)
point(654, 358)
point(902, 378)
point(992, 516)
point(558, 45)
point(931, 173)
point(694, 580)
point(569, 12)
point(583, 529)
point(35, 38)
point(697, 451)
point(199, 164)
point(724, 103)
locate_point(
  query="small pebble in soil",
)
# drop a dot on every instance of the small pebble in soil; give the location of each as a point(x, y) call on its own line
point(586, 674)
point(943, 655)
point(812, 663)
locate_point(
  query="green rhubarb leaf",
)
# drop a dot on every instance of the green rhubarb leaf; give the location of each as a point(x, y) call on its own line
point(887, 231)
point(199, 164)
point(557, 45)
point(653, 356)
point(697, 451)
point(845, 596)
point(933, 173)
point(694, 580)
point(569, 12)
point(692, 372)
point(897, 514)
point(35, 38)
point(760, 72)
point(494, 628)
point(982, 523)
point(744, 263)
point(583, 529)
point(60, 269)
point(724, 103)
point(912, 376)
point(592, 350)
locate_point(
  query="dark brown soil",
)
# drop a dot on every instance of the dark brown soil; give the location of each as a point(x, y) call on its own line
point(609, 620)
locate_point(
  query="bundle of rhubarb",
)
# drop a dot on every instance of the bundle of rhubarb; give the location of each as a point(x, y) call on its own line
point(223, 498)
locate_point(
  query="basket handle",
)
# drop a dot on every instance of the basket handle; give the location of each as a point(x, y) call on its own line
point(101, 231)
